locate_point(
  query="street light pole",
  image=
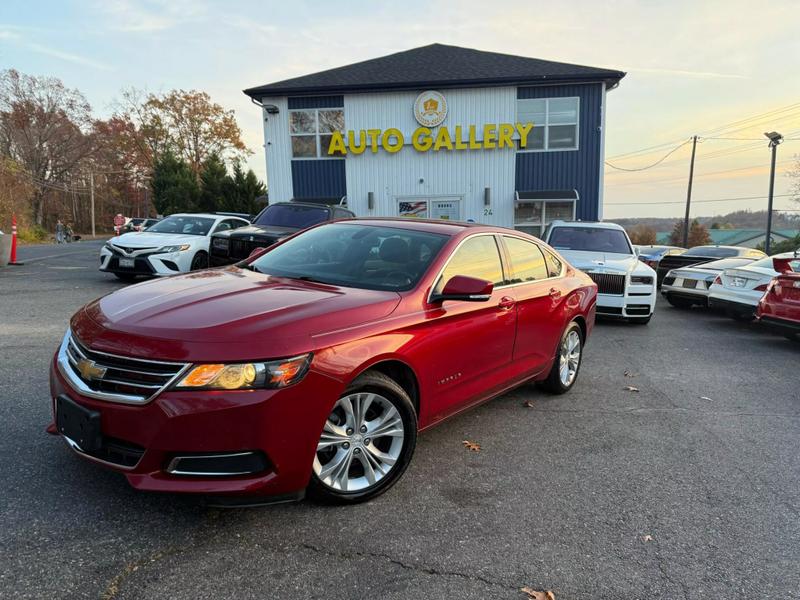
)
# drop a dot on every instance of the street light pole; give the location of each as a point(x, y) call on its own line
point(775, 138)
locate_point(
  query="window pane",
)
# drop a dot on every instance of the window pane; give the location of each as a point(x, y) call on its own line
point(553, 264)
point(527, 261)
point(531, 111)
point(324, 144)
point(557, 211)
point(302, 121)
point(535, 139)
point(304, 146)
point(563, 111)
point(562, 136)
point(477, 257)
point(528, 212)
point(331, 120)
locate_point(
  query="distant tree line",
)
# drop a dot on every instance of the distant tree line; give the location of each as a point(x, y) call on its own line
point(156, 154)
point(646, 235)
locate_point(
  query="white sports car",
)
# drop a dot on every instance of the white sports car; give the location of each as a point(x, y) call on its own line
point(626, 286)
point(738, 291)
point(177, 244)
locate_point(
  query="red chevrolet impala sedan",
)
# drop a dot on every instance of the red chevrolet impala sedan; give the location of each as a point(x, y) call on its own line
point(313, 366)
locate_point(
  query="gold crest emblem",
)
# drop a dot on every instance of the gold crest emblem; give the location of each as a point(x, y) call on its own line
point(89, 369)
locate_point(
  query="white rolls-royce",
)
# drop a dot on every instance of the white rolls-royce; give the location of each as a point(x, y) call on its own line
point(626, 286)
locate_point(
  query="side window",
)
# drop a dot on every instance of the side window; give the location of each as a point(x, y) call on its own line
point(477, 257)
point(222, 226)
point(527, 260)
point(235, 224)
point(554, 265)
point(338, 213)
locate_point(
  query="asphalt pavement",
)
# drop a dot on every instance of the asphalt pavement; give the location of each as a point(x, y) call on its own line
point(688, 488)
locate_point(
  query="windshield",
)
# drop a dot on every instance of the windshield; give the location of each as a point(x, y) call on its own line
point(711, 251)
point(355, 255)
point(183, 224)
point(591, 239)
point(287, 215)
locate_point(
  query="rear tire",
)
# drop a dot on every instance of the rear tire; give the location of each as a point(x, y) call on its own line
point(125, 276)
point(373, 403)
point(557, 381)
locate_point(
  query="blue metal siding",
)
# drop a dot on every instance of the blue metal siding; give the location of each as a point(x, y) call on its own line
point(319, 178)
point(316, 102)
point(568, 169)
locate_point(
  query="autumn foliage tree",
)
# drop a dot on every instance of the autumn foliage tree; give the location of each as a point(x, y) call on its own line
point(643, 235)
point(698, 234)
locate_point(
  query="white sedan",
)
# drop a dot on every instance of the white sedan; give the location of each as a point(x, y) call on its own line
point(738, 291)
point(626, 287)
point(177, 244)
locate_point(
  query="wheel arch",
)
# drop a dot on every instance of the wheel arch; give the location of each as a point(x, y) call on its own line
point(400, 372)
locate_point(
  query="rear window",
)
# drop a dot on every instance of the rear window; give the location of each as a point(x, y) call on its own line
point(286, 215)
point(590, 239)
point(726, 263)
point(711, 251)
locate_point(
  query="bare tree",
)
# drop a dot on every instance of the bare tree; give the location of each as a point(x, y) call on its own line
point(43, 127)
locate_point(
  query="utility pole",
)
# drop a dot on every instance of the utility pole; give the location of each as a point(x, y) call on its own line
point(91, 185)
point(775, 138)
point(689, 196)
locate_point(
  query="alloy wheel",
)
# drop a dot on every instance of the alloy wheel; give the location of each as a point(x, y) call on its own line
point(569, 358)
point(361, 442)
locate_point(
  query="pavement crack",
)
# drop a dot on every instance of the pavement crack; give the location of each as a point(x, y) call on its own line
point(113, 587)
point(410, 567)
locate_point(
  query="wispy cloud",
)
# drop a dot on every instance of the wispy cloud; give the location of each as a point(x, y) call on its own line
point(14, 36)
point(685, 73)
point(152, 16)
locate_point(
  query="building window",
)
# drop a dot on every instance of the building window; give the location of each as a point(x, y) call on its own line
point(311, 131)
point(533, 216)
point(555, 123)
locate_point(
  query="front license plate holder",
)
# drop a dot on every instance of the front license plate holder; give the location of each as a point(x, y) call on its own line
point(79, 424)
point(127, 263)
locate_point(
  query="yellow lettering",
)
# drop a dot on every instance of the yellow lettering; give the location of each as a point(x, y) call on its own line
point(489, 136)
point(443, 140)
point(373, 134)
point(524, 129)
point(387, 140)
point(351, 142)
point(474, 144)
point(421, 139)
point(337, 144)
point(460, 145)
point(505, 135)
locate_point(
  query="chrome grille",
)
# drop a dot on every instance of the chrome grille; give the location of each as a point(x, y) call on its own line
point(112, 377)
point(609, 283)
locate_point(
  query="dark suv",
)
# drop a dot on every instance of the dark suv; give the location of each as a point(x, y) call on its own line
point(272, 224)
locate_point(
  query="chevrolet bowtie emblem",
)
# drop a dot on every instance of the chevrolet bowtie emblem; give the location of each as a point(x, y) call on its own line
point(89, 370)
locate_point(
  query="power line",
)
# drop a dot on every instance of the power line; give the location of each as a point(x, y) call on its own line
point(694, 201)
point(658, 162)
point(682, 178)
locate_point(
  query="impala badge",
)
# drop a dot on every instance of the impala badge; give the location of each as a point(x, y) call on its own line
point(89, 370)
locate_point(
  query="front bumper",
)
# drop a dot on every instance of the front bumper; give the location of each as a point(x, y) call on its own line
point(152, 264)
point(282, 425)
point(637, 301)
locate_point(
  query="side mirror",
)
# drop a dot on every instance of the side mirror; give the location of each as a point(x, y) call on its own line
point(783, 265)
point(461, 287)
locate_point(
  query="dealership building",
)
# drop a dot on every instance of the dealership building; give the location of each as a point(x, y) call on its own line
point(442, 132)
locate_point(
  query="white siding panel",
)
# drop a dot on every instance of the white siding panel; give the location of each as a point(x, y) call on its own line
point(409, 173)
point(278, 150)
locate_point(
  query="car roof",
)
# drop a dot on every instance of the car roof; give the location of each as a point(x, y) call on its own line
point(205, 215)
point(441, 226)
point(592, 224)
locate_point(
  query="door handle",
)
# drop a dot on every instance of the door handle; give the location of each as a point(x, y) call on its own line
point(555, 293)
point(506, 303)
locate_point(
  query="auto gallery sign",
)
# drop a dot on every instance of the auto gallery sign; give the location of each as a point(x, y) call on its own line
point(430, 110)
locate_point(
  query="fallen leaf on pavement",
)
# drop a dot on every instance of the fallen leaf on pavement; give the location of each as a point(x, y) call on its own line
point(536, 595)
point(630, 388)
point(629, 373)
point(647, 538)
point(528, 404)
point(471, 446)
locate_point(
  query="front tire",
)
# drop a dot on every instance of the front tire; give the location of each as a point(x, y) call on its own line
point(200, 261)
point(567, 363)
point(367, 442)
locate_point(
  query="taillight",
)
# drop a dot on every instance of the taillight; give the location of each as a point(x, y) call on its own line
point(761, 288)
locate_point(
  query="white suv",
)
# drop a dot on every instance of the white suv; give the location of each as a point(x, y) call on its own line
point(626, 286)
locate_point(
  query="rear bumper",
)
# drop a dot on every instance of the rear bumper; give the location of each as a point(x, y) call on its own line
point(283, 426)
point(694, 295)
point(730, 306)
point(780, 325)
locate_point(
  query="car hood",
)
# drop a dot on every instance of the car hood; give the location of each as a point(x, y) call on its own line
point(600, 261)
point(225, 314)
point(147, 239)
point(258, 231)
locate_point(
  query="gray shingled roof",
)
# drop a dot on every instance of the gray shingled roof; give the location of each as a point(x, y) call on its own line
point(437, 66)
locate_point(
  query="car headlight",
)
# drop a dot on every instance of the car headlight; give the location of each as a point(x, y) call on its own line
point(642, 279)
point(246, 376)
point(180, 248)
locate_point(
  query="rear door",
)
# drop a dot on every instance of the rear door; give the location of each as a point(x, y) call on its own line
point(538, 290)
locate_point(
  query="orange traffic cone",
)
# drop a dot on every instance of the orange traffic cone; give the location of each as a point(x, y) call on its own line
point(13, 260)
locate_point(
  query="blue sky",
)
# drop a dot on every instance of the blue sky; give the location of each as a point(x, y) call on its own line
point(692, 67)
